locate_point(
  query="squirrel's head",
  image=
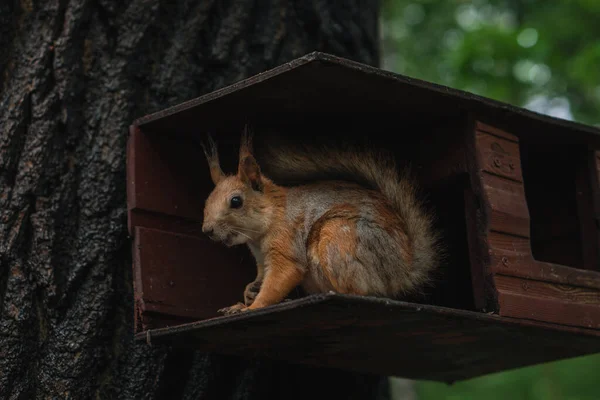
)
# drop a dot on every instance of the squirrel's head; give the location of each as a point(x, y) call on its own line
point(237, 210)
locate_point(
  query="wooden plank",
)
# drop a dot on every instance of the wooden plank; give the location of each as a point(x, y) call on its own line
point(321, 82)
point(478, 270)
point(499, 156)
point(382, 336)
point(550, 302)
point(526, 267)
point(482, 127)
point(156, 320)
point(556, 291)
point(185, 276)
point(511, 255)
point(163, 222)
point(501, 244)
point(509, 212)
point(167, 174)
point(453, 285)
point(549, 310)
point(585, 181)
point(477, 222)
point(478, 219)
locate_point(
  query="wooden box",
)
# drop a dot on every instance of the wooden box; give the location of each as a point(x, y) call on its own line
point(516, 195)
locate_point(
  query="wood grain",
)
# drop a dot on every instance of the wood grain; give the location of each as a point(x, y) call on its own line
point(556, 291)
point(483, 295)
point(477, 215)
point(499, 156)
point(160, 177)
point(509, 212)
point(550, 292)
point(549, 310)
point(178, 275)
point(384, 336)
point(486, 128)
point(501, 244)
point(511, 255)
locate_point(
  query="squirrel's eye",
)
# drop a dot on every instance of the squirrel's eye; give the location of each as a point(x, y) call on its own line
point(235, 202)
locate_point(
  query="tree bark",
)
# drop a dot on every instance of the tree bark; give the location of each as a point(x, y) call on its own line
point(73, 75)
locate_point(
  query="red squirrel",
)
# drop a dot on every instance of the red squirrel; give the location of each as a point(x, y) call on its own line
point(370, 239)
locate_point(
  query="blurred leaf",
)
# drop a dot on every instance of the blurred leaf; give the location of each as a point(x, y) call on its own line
point(508, 50)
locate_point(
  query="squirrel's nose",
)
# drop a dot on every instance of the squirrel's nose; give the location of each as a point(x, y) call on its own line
point(208, 230)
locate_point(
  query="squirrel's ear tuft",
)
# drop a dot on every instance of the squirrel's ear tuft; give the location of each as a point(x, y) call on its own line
point(248, 169)
point(245, 143)
point(249, 173)
point(212, 156)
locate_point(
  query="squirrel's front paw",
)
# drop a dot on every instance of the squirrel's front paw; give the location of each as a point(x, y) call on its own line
point(234, 309)
point(251, 292)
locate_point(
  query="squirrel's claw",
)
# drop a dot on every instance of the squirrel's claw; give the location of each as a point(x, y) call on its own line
point(234, 309)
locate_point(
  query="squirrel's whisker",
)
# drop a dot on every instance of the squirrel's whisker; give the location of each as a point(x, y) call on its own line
point(241, 233)
point(247, 230)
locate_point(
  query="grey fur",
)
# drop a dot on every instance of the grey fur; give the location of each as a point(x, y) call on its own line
point(379, 260)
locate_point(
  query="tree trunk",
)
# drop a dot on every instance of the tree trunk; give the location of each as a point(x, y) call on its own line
point(73, 75)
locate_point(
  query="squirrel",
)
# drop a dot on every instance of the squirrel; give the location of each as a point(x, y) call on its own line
point(366, 235)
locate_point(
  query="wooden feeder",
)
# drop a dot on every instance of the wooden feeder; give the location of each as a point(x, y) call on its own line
point(516, 193)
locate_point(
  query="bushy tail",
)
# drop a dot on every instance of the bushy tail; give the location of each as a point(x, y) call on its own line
point(377, 170)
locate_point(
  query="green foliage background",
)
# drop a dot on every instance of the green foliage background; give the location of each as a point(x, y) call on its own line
point(541, 55)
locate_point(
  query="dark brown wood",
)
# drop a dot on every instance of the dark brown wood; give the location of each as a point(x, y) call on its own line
point(492, 130)
point(488, 183)
point(163, 222)
point(451, 286)
point(510, 255)
point(321, 82)
point(508, 236)
point(525, 267)
point(499, 156)
point(549, 310)
point(383, 336)
point(179, 274)
point(585, 181)
point(160, 176)
point(549, 302)
point(562, 292)
point(508, 208)
point(186, 276)
point(499, 166)
point(484, 296)
point(477, 215)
